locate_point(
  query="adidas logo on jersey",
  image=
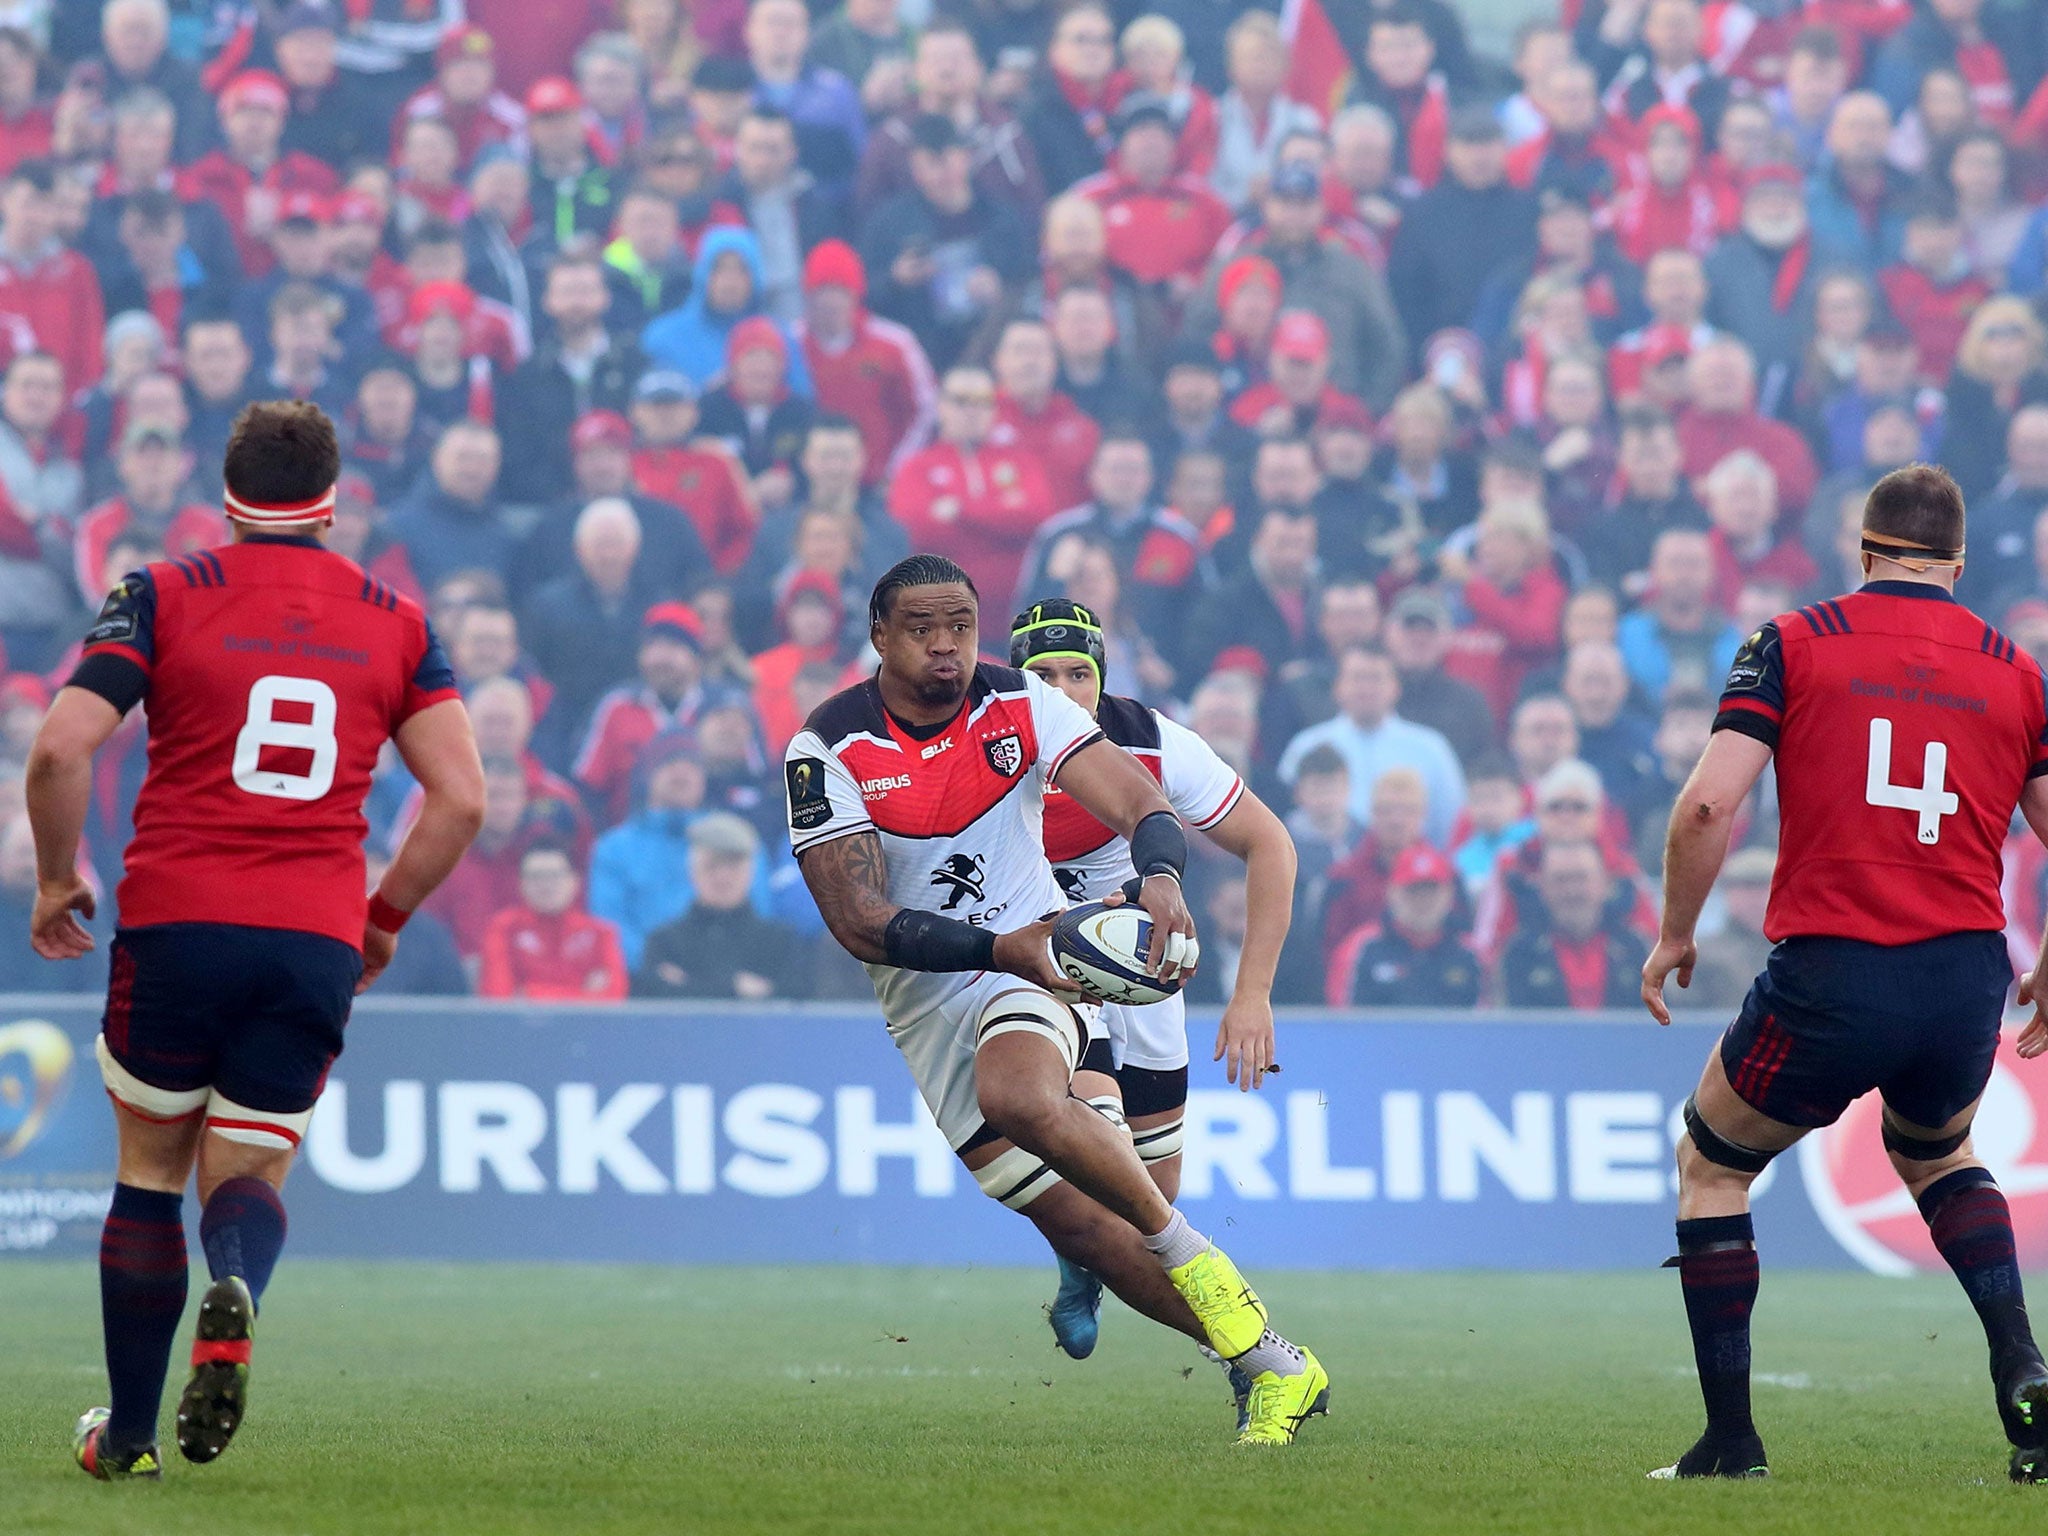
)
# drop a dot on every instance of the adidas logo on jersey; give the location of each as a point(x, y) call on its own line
point(874, 789)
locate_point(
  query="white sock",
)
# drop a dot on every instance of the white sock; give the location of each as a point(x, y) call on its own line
point(1271, 1353)
point(1177, 1244)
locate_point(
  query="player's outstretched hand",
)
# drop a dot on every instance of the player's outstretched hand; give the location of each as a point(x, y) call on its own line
point(1244, 1042)
point(378, 948)
point(1027, 952)
point(54, 931)
point(2033, 989)
point(1174, 951)
point(1670, 955)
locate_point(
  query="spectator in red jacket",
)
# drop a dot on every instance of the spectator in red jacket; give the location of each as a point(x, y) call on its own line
point(1512, 594)
point(1356, 885)
point(1036, 421)
point(1723, 417)
point(863, 367)
point(546, 949)
point(1297, 393)
point(1162, 220)
point(1672, 204)
point(52, 291)
point(153, 467)
point(693, 473)
point(248, 176)
point(26, 125)
point(1934, 290)
point(1573, 153)
point(487, 879)
point(967, 497)
point(1154, 51)
point(1741, 496)
point(669, 692)
point(464, 95)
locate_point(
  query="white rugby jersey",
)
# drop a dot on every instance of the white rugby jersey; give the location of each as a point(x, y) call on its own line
point(1088, 859)
point(960, 813)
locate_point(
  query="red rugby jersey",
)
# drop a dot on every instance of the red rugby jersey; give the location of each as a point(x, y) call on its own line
point(273, 671)
point(1904, 729)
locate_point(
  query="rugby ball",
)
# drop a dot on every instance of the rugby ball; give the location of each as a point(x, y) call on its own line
point(1102, 951)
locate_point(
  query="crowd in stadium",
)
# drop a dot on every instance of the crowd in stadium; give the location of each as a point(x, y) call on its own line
point(1427, 429)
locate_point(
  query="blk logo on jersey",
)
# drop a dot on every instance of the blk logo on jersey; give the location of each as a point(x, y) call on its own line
point(1005, 754)
point(1071, 881)
point(962, 873)
point(809, 805)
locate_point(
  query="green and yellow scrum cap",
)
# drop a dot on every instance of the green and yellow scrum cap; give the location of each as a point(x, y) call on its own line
point(1057, 627)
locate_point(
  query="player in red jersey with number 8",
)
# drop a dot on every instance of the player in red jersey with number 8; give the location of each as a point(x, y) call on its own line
point(273, 672)
point(1905, 731)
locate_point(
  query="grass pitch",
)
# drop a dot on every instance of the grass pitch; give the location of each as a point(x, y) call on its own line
point(416, 1399)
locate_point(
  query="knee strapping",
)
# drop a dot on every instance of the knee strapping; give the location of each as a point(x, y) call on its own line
point(1035, 1013)
point(138, 1097)
point(268, 1129)
point(1111, 1108)
point(1921, 1149)
point(1156, 1143)
point(1015, 1178)
point(1718, 1149)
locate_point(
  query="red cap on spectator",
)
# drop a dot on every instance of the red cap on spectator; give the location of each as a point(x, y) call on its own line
point(1246, 269)
point(835, 264)
point(457, 299)
point(1776, 174)
point(1665, 116)
point(1665, 343)
point(1420, 864)
point(255, 88)
point(815, 584)
point(594, 427)
point(1343, 413)
point(552, 95)
point(1301, 334)
point(674, 621)
point(2028, 610)
point(357, 208)
point(309, 207)
point(1240, 658)
point(466, 41)
point(354, 486)
point(754, 332)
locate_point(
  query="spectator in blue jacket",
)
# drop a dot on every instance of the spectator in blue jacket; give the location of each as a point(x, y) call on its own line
point(728, 285)
point(640, 870)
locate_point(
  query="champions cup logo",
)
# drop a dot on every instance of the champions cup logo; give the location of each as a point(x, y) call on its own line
point(35, 1069)
point(1866, 1209)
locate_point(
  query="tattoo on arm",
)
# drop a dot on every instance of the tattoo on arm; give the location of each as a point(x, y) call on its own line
point(850, 882)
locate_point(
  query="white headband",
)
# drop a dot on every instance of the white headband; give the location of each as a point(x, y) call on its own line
point(282, 515)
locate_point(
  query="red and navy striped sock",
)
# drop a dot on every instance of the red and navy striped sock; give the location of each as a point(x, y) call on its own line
point(1971, 1226)
point(142, 1297)
point(242, 1230)
point(1717, 1265)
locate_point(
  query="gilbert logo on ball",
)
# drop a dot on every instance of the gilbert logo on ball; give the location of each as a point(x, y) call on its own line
point(1866, 1209)
point(35, 1069)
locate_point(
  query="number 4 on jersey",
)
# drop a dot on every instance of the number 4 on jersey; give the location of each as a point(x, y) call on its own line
point(1932, 799)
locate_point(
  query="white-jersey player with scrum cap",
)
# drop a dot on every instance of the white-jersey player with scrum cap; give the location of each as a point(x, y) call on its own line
point(916, 811)
point(1062, 643)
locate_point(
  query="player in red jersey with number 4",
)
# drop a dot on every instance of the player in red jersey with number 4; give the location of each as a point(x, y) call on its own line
point(273, 672)
point(1906, 731)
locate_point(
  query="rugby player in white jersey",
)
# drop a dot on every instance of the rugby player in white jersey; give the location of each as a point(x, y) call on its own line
point(1146, 1075)
point(915, 809)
